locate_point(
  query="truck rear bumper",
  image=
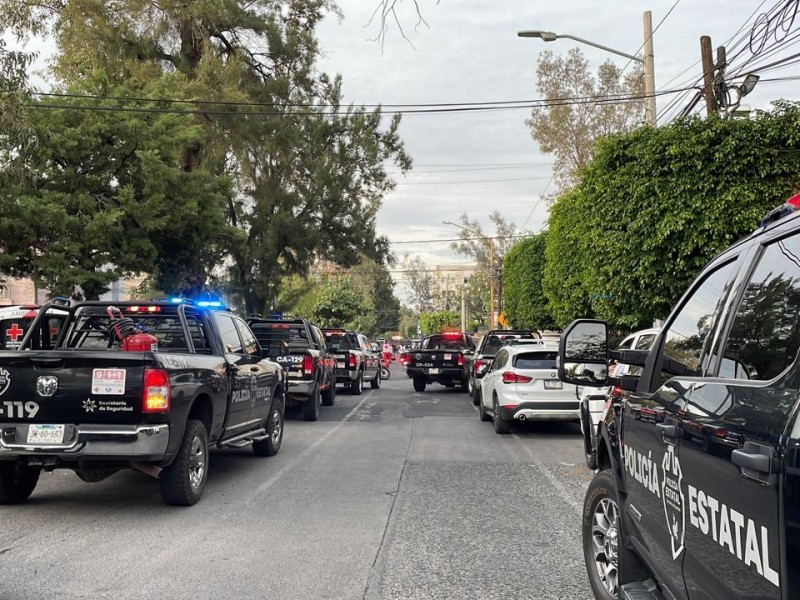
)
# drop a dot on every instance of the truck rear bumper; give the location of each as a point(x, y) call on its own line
point(346, 376)
point(300, 389)
point(111, 442)
point(445, 374)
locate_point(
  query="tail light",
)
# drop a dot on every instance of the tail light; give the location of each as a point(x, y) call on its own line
point(308, 365)
point(405, 357)
point(721, 432)
point(460, 360)
point(155, 394)
point(511, 377)
point(352, 361)
point(477, 365)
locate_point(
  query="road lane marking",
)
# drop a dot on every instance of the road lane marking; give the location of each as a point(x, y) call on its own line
point(551, 477)
point(293, 463)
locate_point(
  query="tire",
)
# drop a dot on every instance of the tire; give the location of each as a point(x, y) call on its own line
point(464, 383)
point(484, 416)
point(375, 384)
point(420, 384)
point(589, 454)
point(476, 394)
point(357, 385)
point(311, 406)
point(17, 482)
point(182, 483)
point(329, 395)
point(385, 373)
point(274, 427)
point(470, 385)
point(501, 426)
point(600, 543)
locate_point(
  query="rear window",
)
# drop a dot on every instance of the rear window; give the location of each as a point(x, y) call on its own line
point(90, 331)
point(535, 360)
point(495, 342)
point(341, 341)
point(276, 339)
point(442, 342)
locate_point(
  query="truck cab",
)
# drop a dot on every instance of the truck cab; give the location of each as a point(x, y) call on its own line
point(697, 492)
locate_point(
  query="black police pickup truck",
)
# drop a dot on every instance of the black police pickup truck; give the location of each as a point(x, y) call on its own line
point(300, 347)
point(697, 494)
point(442, 358)
point(149, 386)
point(490, 343)
point(356, 361)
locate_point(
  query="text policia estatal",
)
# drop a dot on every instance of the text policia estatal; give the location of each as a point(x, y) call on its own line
point(731, 529)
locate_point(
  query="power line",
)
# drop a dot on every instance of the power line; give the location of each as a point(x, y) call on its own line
point(414, 170)
point(468, 239)
point(609, 98)
point(470, 181)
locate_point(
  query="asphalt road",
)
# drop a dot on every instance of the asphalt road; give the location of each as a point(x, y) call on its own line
point(392, 494)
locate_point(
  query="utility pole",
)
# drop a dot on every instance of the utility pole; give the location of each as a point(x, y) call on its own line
point(720, 92)
point(464, 305)
point(708, 74)
point(491, 284)
point(649, 70)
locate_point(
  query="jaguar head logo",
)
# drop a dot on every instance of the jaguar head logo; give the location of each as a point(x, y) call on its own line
point(47, 385)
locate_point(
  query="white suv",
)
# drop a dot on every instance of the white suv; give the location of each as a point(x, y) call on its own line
point(522, 384)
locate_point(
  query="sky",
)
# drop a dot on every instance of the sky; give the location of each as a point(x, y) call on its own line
point(469, 52)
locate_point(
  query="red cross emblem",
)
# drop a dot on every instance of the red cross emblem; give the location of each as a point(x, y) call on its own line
point(14, 332)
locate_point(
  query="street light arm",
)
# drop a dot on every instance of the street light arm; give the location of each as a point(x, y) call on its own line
point(606, 48)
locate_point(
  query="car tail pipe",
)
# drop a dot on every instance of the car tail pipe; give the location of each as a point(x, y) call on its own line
point(521, 416)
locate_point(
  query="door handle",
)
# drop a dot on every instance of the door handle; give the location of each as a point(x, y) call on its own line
point(255, 369)
point(667, 430)
point(752, 461)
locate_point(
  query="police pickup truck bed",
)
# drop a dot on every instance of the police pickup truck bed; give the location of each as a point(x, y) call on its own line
point(356, 362)
point(300, 347)
point(697, 493)
point(442, 358)
point(150, 387)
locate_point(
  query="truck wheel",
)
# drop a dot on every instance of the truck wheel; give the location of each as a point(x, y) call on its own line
point(501, 426)
point(476, 395)
point(375, 384)
point(311, 406)
point(329, 395)
point(588, 452)
point(464, 383)
point(17, 482)
point(419, 384)
point(601, 539)
point(271, 445)
point(182, 483)
point(357, 386)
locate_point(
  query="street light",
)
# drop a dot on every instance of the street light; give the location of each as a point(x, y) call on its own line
point(490, 244)
point(647, 61)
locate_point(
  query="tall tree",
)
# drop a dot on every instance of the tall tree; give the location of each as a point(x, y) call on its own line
point(524, 302)
point(308, 171)
point(419, 280)
point(568, 129)
point(102, 195)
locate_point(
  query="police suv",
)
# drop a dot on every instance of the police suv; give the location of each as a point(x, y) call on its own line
point(697, 492)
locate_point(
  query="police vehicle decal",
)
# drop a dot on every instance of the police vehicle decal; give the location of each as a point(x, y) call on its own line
point(289, 359)
point(740, 535)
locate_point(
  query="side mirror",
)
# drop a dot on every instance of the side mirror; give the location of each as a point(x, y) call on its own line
point(467, 352)
point(583, 353)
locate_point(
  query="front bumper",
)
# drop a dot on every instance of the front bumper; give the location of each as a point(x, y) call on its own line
point(542, 411)
point(109, 442)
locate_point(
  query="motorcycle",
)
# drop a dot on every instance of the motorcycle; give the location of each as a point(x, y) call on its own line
point(385, 372)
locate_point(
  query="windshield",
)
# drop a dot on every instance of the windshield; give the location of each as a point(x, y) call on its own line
point(341, 341)
point(277, 339)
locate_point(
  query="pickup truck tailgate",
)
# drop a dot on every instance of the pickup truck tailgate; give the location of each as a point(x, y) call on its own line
point(69, 387)
point(437, 359)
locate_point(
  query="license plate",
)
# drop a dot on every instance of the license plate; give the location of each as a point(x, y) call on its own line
point(340, 365)
point(448, 357)
point(433, 371)
point(552, 384)
point(45, 434)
